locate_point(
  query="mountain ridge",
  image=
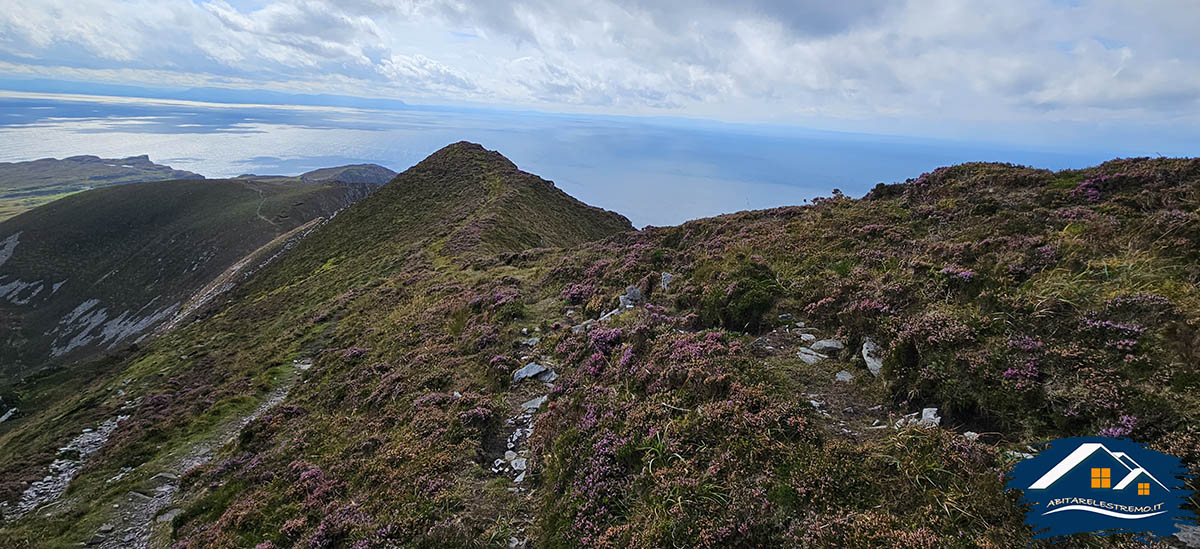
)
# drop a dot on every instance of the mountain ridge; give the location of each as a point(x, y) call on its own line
point(742, 380)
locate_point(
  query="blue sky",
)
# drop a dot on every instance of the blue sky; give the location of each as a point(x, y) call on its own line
point(1086, 75)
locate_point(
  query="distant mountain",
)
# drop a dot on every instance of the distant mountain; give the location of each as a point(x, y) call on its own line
point(364, 173)
point(26, 185)
point(353, 173)
point(101, 268)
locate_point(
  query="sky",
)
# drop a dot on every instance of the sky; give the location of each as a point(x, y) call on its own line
point(1117, 75)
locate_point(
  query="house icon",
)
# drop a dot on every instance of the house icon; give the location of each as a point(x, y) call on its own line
point(1093, 466)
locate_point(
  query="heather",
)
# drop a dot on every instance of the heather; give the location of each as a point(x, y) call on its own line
point(1024, 304)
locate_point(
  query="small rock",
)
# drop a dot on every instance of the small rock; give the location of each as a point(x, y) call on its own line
point(815, 404)
point(580, 328)
point(457, 394)
point(826, 345)
point(848, 410)
point(666, 280)
point(518, 464)
point(810, 356)
point(129, 538)
point(632, 297)
point(510, 455)
point(531, 341)
point(1013, 455)
point(106, 528)
point(971, 436)
point(520, 478)
point(534, 403)
point(785, 316)
point(807, 337)
point(547, 377)
point(96, 540)
point(529, 370)
point(930, 417)
point(872, 353)
point(844, 376)
point(798, 324)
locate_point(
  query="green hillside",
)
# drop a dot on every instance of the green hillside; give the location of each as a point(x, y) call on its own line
point(26, 185)
point(756, 392)
point(100, 268)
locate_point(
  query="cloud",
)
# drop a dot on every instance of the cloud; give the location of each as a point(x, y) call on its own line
point(915, 63)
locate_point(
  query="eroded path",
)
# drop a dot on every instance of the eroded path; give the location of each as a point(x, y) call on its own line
point(143, 518)
point(510, 455)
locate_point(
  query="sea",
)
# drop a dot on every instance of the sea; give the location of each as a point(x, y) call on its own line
point(655, 171)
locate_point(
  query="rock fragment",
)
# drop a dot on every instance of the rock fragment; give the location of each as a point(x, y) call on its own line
point(872, 353)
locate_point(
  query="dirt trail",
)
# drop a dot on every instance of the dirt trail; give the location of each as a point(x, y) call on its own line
point(509, 452)
point(139, 521)
point(846, 394)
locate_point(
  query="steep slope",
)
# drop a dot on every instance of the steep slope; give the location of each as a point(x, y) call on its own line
point(26, 185)
point(100, 268)
point(755, 394)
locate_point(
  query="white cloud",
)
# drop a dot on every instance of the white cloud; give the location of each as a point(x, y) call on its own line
point(926, 62)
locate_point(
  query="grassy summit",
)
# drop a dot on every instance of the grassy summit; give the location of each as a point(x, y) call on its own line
point(1024, 304)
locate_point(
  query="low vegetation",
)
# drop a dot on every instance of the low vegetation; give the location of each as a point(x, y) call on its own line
point(1025, 304)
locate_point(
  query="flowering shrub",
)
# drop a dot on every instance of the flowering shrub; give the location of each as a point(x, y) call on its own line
point(576, 293)
point(1024, 304)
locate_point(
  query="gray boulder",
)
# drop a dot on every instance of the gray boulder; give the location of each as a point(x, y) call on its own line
point(827, 345)
point(666, 280)
point(810, 356)
point(872, 353)
point(632, 297)
point(532, 369)
point(534, 403)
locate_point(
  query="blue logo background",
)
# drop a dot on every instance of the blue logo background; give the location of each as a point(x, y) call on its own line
point(1101, 485)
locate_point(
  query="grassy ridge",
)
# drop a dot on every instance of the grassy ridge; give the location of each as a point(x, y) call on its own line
point(1026, 304)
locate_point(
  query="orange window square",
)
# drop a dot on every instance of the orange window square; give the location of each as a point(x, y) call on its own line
point(1101, 477)
point(1143, 488)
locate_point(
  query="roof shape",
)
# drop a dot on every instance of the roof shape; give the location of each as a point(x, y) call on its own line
point(1085, 451)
